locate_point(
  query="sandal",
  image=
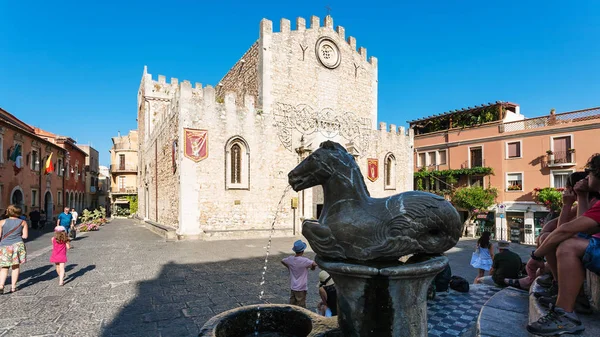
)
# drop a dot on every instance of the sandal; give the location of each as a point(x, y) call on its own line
point(512, 283)
point(13, 290)
point(2, 291)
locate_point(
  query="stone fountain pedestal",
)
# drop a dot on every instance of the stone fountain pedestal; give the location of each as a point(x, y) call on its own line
point(386, 300)
point(373, 301)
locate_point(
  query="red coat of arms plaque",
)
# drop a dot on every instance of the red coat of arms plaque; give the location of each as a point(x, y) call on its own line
point(196, 144)
point(373, 169)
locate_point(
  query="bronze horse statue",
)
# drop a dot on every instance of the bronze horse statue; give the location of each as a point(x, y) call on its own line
point(355, 226)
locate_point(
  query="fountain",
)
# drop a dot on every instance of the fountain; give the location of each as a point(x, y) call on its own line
point(382, 254)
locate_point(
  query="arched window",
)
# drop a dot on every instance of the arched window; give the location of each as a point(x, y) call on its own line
point(390, 172)
point(237, 164)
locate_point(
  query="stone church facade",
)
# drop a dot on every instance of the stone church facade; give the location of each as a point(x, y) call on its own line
point(213, 161)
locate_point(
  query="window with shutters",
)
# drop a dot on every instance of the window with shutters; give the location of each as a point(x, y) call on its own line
point(390, 172)
point(513, 150)
point(561, 149)
point(514, 181)
point(476, 156)
point(421, 159)
point(237, 164)
point(442, 157)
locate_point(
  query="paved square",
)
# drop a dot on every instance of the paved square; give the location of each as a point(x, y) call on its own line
point(125, 281)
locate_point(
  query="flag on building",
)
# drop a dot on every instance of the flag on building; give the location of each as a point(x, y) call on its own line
point(17, 158)
point(49, 167)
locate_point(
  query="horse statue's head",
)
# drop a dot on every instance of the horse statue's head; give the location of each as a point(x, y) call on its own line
point(320, 166)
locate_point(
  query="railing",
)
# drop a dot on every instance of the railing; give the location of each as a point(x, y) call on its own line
point(551, 120)
point(123, 168)
point(129, 189)
point(432, 167)
point(561, 158)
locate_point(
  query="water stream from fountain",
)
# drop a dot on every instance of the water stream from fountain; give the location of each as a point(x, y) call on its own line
point(268, 248)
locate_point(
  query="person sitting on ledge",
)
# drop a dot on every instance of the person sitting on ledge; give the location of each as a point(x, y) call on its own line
point(576, 250)
point(506, 265)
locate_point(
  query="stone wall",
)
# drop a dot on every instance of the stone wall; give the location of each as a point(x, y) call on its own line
point(242, 78)
point(293, 73)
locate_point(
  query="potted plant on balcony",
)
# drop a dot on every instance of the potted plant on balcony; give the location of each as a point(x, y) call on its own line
point(571, 150)
point(549, 152)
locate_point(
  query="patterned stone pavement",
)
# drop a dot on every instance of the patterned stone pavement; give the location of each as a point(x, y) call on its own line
point(125, 281)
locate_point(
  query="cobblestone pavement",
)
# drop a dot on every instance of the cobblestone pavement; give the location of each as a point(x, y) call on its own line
point(125, 281)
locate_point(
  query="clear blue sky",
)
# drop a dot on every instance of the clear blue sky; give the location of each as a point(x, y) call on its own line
point(73, 67)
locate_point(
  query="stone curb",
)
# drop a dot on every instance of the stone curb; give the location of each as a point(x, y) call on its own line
point(507, 309)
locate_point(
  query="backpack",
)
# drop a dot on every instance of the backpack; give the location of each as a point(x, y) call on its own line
point(442, 280)
point(459, 284)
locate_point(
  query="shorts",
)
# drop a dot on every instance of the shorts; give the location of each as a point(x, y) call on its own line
point(298, 298)
point(591, 257)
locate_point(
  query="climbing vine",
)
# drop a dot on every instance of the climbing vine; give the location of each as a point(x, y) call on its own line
point(450, 177)
point(468, 118)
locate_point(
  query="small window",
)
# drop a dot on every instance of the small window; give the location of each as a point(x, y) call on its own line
point(513, 150)
point(422, 159)
point(59, 168)
point(432, 159)
point(476, 155)
point(237, 160)
point(34, 197)
point(35, 160)
point(514, 181)
point(559, 178)
point(390, 172)
point(476, 181)
point(1, 149)
point(60, 199)
point(442, 157)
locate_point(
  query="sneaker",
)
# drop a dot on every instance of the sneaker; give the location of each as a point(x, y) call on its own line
point(552, 291)
point(582, 305)
point(547, 302)
point(556, 322)
point(545, 280)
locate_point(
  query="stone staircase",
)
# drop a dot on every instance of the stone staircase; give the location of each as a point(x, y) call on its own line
point(508, 312)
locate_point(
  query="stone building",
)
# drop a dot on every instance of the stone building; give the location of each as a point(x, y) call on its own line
point(28, 187)
point(123, 170)
point(91, 170)
point(213, 161)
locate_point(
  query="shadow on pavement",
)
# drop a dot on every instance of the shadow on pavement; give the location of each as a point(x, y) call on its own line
point(34, 276)
point(79, 273)
point(185, 296)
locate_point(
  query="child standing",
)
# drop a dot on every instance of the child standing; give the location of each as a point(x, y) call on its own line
point(60, 244)
point(298, 266)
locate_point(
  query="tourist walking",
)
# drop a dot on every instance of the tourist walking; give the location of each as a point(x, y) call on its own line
point(298, 266)
point(12, 248)
point(35, 216)
point(65, 219)
point(60, 245)
point(483, 256)
point(328, 293)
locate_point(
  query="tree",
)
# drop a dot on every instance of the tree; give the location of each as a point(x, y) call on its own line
point(549, 197)
point(473, 199)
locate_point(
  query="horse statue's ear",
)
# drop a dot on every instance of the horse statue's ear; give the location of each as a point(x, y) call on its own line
point(330, 145)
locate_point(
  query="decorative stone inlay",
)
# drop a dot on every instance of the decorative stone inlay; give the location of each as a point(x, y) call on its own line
point(306, 120)
point(328, 53)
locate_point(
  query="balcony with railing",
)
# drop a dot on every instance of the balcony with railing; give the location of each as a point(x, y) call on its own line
point(560, 158)
point(124, 190)
point(552, 120)
point(114, 168)
point(124, 146)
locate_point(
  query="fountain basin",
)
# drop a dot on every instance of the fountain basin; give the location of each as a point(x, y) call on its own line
point(276, 320)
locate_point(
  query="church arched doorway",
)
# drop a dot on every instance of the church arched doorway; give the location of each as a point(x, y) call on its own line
point(17, 199)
